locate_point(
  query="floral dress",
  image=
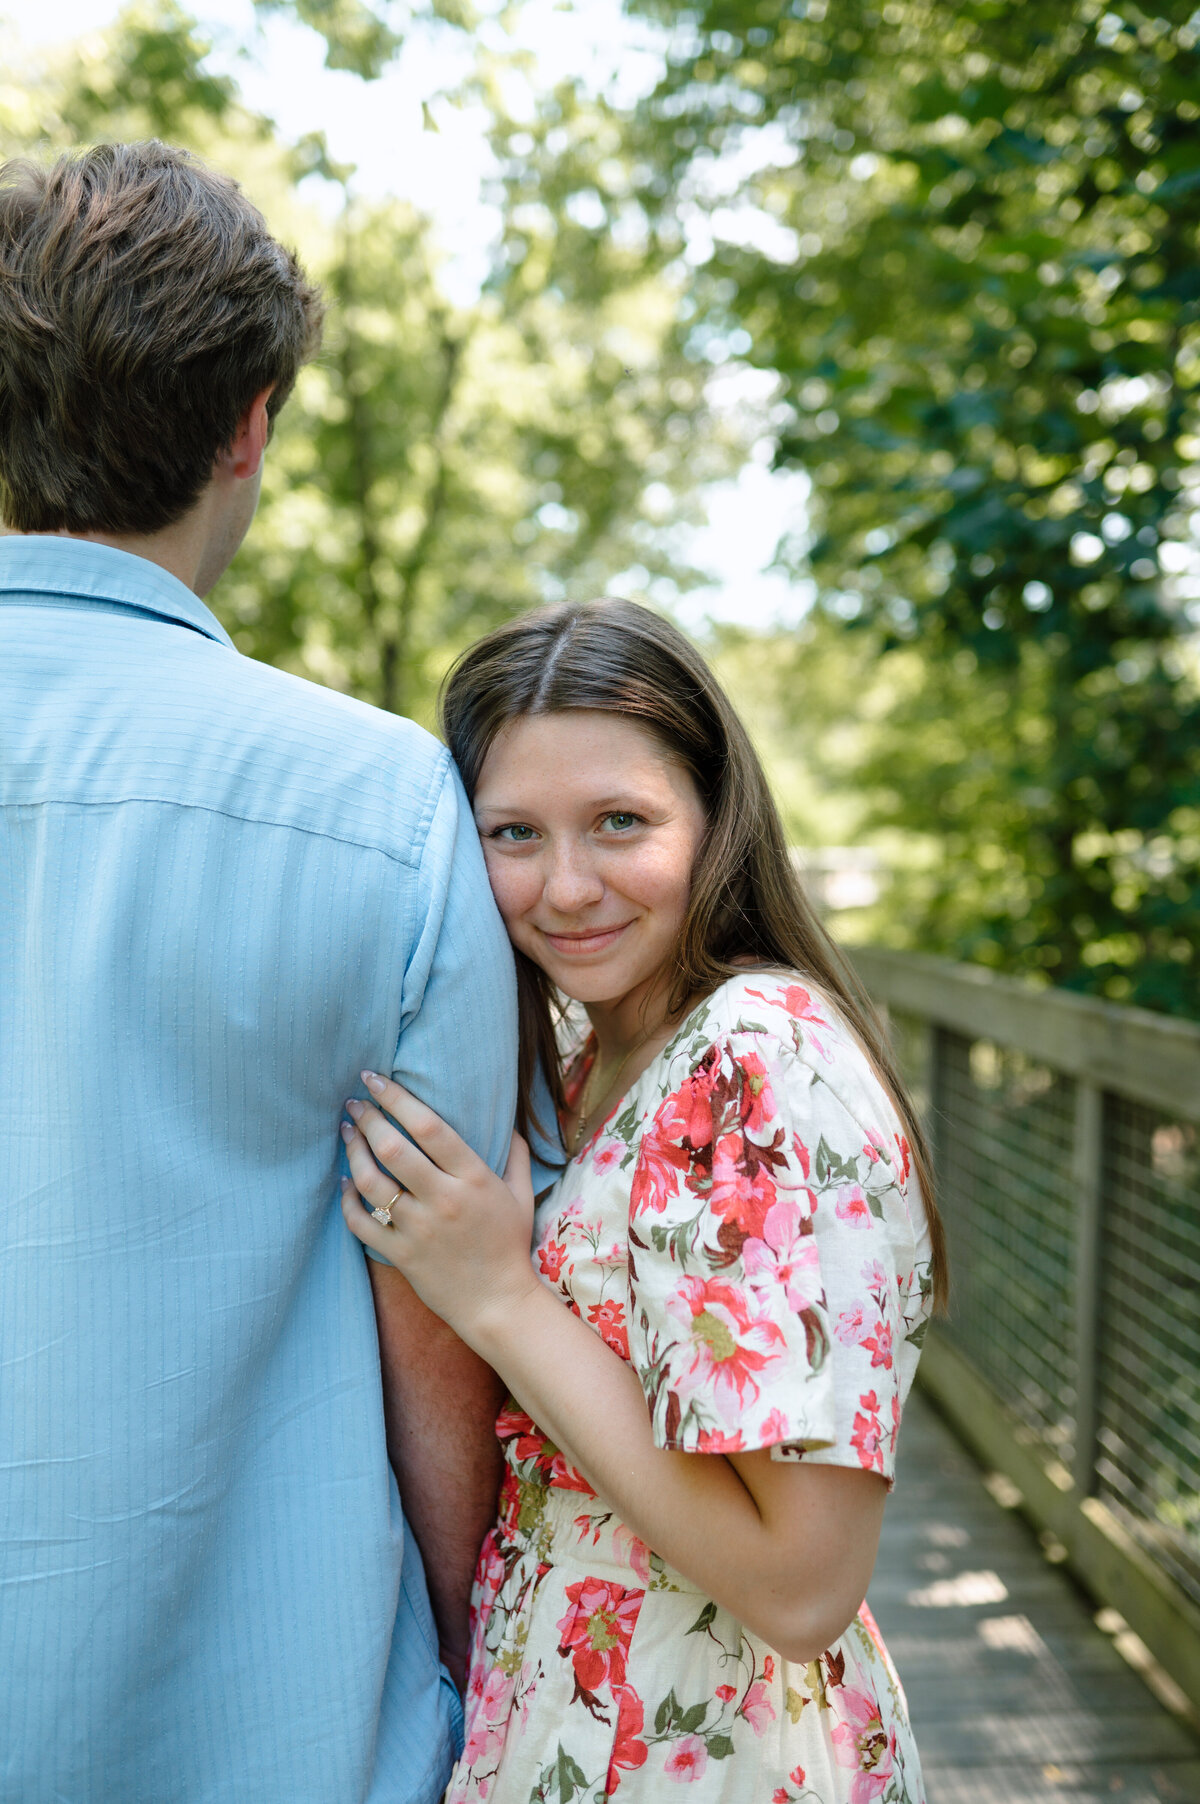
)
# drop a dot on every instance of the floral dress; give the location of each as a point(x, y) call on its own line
point(746, 1231)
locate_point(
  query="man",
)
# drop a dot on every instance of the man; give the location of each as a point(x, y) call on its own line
point(223, 892)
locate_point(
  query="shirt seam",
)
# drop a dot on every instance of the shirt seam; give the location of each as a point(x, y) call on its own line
point(410, 860)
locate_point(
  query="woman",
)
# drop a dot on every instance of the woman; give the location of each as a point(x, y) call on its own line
point(700, 1443)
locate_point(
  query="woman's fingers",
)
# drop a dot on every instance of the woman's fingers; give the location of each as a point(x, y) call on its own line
point(378, 1178)
point(436, 1138)
point(363, 1225)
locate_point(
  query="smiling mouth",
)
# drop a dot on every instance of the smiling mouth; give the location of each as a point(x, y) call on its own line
point(575, 945)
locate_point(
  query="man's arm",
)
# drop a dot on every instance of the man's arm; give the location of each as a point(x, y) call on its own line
point(458, 1051)
point(439, 1403)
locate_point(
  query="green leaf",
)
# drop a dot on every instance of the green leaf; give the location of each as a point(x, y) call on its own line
point(666, 1714)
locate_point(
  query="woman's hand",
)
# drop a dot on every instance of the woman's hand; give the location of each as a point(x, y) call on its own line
point(460, 1234)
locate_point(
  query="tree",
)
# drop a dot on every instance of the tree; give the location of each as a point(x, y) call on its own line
point(441, 466)
point(965, 238)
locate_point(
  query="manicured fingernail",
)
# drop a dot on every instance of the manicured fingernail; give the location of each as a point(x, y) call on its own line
point(345, 1185)
point(373, 1081)
point(347, 1131)
point(354, 1110)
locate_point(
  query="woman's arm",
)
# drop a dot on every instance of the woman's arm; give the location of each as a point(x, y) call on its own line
point(788, 1549)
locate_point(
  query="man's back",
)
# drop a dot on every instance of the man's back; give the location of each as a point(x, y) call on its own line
point(222, 892)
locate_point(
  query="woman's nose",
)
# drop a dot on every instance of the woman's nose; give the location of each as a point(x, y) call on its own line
point(571, 883)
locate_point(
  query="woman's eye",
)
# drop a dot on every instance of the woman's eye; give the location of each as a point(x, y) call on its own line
point(516, 833)
point(621, 821)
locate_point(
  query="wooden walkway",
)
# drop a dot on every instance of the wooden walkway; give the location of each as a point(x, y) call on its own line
point(1016, 1696)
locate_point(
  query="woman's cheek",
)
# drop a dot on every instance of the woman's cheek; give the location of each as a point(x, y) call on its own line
point(515, 884)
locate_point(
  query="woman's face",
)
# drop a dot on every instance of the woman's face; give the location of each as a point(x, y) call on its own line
point(589, 830)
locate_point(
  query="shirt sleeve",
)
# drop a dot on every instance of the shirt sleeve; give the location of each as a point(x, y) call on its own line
point(457, 1046)
point(764, 1299)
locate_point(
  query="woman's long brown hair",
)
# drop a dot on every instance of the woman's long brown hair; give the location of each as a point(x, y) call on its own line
point(746, 901)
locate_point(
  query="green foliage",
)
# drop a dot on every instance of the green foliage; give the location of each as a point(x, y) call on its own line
point(976, 277)
point(440, 467)
point(365, 39)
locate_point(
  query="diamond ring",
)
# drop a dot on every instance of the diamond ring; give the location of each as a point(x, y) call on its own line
point(385, 1215)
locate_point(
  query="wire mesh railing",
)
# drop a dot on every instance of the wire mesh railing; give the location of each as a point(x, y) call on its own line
point(1067, 1150)
point(1004, 1140)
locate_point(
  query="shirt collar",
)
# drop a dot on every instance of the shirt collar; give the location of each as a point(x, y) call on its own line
point(71, 572)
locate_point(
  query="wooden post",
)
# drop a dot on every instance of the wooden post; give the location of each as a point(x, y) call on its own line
point(1087, 1170)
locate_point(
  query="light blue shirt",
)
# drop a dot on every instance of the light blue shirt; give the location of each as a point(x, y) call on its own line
point(222, 891)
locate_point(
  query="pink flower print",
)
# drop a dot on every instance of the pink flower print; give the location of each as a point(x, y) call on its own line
point(631, 1549)
point(629, 1750)
point(609, 1321)
point(597, 1630)
point(874, 1276)
point(741, 1196)
point(861, 1742)
point(728, 1344)
point(606, 1155)
point(758, 1101)
point(715, 1440)
point(797, 1775)
point(871, 1152)
point(551, 1259)
point(512, 1424)
point(879, 1345)
point(656, 1174)
point(561, 1476)
point(801, 1155)
point(757, 1708)
point(489, 1576)
point(905, 1152)
point(769, 1668)
point(795, 999)
point(852, 1206)
point(724, 1693)
point(853, 1326)
point(687, 1759)
point(687, 1114)
point(787, 1252)
point(485, 1731)
point(775, 1428)
point(867, 1435)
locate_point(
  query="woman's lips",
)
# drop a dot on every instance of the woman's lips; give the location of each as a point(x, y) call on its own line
point(575, 945)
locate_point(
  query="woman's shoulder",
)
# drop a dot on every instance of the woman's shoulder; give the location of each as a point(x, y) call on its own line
point(792, 1024)
point(772, 1003)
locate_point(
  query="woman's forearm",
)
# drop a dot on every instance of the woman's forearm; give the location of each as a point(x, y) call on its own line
point(786, 1548)
point(692, 1509)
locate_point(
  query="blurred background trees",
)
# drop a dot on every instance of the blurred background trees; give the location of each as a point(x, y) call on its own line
point(981, 297)
point(949, 253)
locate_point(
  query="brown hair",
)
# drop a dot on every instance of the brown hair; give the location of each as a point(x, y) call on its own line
point(746, 901)
point(143, 306)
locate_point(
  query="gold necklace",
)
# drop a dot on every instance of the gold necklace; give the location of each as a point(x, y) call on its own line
point(585, 1111)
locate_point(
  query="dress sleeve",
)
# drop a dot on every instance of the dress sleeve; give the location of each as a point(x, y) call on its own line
point(765, 1230)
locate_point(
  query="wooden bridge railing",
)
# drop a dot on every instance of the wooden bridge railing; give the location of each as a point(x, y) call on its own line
point(1066, 1138)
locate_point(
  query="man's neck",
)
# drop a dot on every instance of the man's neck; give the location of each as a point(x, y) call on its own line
point(171, 549)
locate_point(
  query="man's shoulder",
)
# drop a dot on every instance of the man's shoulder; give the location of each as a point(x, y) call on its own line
point(299, 708)
point(126, 708)
point(344, 766)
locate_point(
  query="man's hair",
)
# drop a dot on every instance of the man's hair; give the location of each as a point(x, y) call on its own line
point(143, 306)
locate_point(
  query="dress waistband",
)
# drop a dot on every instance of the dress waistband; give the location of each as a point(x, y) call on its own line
point(568, 1528)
